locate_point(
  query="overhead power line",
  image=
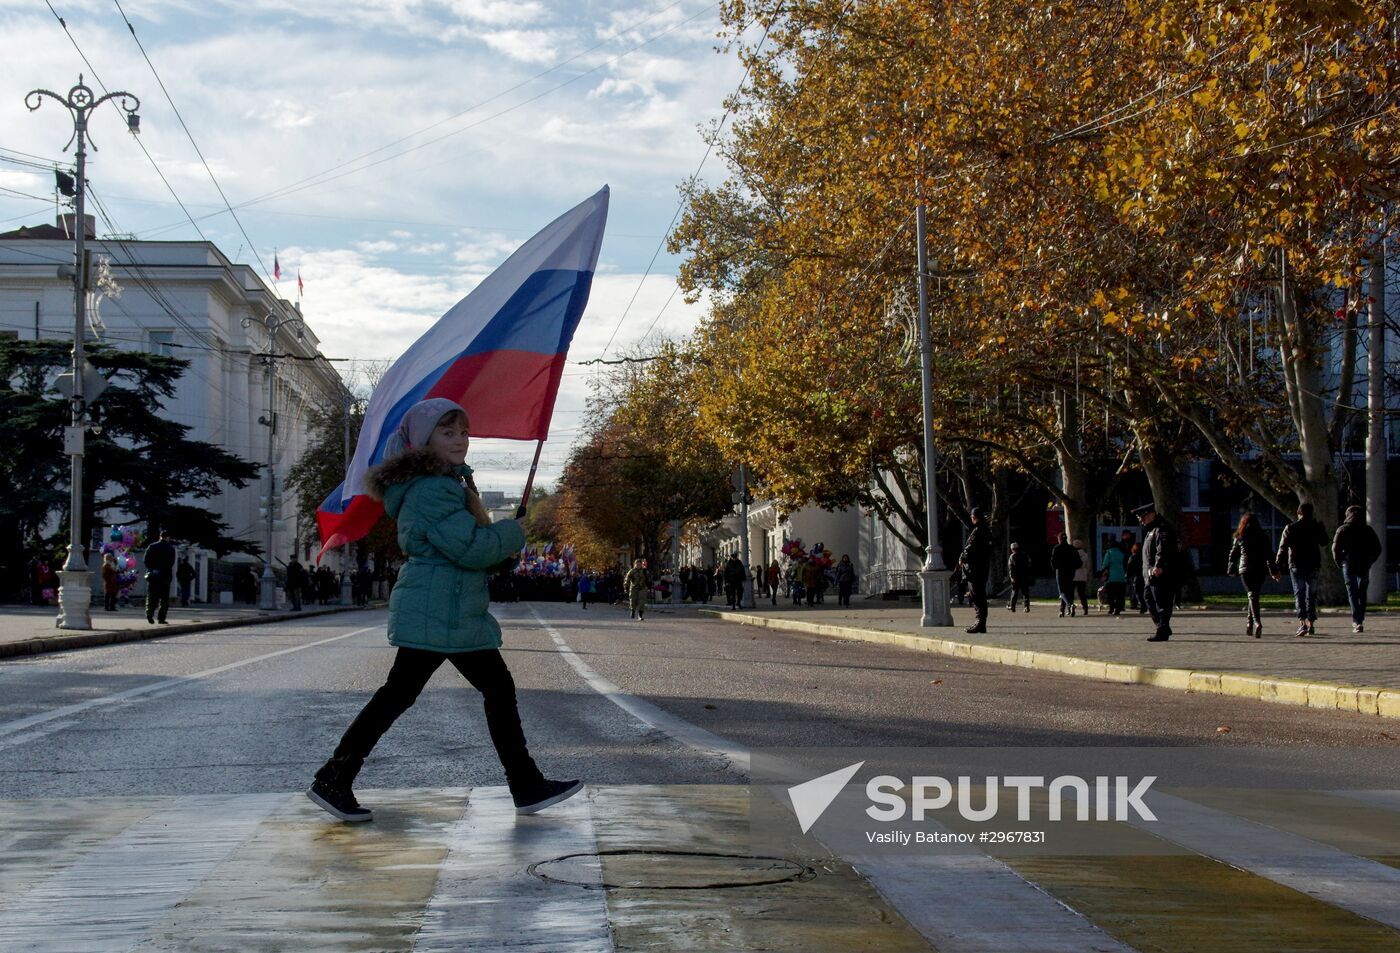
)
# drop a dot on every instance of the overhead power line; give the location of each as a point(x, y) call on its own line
point(189, 135)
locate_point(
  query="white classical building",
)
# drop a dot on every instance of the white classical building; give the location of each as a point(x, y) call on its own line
point(244, 343)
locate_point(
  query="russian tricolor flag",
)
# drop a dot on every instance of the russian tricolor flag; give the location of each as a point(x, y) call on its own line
point(499, 352)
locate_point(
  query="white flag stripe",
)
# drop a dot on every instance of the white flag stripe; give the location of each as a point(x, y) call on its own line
point(486, 900)
point(108, 899)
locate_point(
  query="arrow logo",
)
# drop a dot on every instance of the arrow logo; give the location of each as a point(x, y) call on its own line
point(810, 799)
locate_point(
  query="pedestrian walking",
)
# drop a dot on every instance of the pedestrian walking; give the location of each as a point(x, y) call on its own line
point(845, 580)
point(811, 581)
point(160, 572)
point(1064, 559)
point(775, 577)
point(296, 581)
point(184, 578)
point(1018, 567)
point(1252, 559)
point(637, 585)
point(734, 577)
point(976, 560)
point(1081, 576)
point(439, 609)
point(1114, 568)
point(1137, 582)
point(111, 582)
point(1355, 547)
point(585, 590)
point(1300, 549)
point(1161, 561)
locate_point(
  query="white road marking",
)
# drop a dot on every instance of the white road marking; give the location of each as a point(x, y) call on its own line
point(109, 898)
point(736, 756)
point(1319, 870)
point(486, 900)
point(974, 904)
point(66, 711)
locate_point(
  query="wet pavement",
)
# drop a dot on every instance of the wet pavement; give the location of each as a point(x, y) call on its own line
point(151, 800)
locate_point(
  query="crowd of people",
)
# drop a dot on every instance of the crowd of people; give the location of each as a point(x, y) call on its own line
point(1146, 576)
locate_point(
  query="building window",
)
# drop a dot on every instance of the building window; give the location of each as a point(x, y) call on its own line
point(161, 342)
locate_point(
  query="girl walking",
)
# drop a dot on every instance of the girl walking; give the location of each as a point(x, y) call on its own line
point(438, 609)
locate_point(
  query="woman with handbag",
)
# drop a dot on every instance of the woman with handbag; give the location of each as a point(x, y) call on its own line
point(438, 609)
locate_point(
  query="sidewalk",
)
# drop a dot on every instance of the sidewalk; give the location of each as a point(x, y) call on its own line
point(1208, 651)
point(30, 630)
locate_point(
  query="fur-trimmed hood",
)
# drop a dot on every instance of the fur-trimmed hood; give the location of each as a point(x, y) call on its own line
point(407, 467)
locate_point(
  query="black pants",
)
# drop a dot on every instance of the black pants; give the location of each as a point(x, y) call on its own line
point(1021, 589)
point(157, 598)
point(1081, 589)
point(977, 590)
point(1114, 591)
point(487, 673)
point(843, 593)
point(110, 601)
point(1252, 584)
point(1161, 598)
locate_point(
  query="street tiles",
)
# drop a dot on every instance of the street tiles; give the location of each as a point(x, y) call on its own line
point(667, 868)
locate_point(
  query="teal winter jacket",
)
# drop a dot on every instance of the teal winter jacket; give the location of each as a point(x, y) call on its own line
point(440, 600)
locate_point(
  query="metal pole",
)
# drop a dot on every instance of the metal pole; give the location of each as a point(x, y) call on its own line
point(267, 587)
point(933, 577)
point(747, 600)
point(1376, 451)
point(75, 590)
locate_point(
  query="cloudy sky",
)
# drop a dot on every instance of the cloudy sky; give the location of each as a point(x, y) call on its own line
point(394, 151)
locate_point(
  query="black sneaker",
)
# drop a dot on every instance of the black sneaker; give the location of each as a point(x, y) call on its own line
point(544, 794)
point(338, 802)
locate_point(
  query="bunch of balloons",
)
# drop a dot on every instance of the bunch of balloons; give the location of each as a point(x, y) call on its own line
point(121, 543)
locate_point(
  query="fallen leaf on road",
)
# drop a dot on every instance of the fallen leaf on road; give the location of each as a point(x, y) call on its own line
point(936, 681)
point(710, 707)
point(1223, 729)
point(1387, 737)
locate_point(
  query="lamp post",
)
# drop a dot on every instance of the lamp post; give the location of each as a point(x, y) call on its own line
point(75, 590)
point(933, 577)
point(267, 585)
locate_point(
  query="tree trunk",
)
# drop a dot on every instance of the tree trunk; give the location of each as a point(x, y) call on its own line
point(1303, 378)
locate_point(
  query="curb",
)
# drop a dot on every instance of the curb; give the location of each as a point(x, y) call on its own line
point(1364, 700)
point(86, 640)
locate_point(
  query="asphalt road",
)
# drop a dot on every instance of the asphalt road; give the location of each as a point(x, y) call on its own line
point(212, 713)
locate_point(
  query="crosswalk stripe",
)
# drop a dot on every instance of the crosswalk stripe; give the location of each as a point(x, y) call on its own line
point(110, 897)
point(486, 900)
point(1319, 870)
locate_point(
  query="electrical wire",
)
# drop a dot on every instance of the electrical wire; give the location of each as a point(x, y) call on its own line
point(189, 135)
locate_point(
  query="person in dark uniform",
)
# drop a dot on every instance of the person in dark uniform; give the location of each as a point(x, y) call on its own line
point(975, 560)
point(1160, 559)
point(160, 572)
point(184, 578)
point(1018, 567)
point(296, 581)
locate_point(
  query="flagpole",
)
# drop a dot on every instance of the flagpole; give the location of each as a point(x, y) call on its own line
point(529, 482)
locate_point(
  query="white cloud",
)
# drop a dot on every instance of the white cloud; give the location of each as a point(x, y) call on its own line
point(527, 46)
point(376, 248)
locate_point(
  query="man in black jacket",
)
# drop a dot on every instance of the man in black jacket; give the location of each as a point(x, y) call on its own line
point(296, 581)
point(160, 571)
point(1018, 567)
point(1355, 547)
point(1300, 549)
point(1160, 558)
point(975, 560)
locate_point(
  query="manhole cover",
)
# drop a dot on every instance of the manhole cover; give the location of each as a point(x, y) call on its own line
point(668, 870)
